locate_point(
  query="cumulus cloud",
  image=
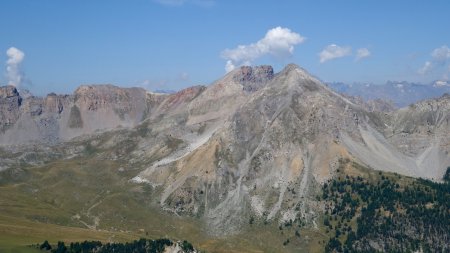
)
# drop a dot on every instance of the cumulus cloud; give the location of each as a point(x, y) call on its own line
point(334, 51)
point(13, 72)
point(441, 55)
point(362, 53)
point(229, 66)
point(278, 42)
point(426, 68)
point(439, 58)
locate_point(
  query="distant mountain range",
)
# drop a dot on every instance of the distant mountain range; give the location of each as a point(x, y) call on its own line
point(400, 93)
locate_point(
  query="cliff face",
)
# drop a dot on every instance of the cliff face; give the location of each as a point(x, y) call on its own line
point(253, 78)
point(105, 107)
point(60, 117)
point(10, 102)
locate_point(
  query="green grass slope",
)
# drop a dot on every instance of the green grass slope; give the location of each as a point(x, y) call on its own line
point(92, 199)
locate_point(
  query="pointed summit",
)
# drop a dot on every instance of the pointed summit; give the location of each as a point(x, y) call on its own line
point(296, 70)
point(291, 66)
point(294, 77)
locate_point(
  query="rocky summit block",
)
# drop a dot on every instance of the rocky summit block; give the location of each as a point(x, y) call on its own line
point(253, 78)
point(10, 102)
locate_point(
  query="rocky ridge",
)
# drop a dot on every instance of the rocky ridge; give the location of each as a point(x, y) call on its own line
point(56, 118)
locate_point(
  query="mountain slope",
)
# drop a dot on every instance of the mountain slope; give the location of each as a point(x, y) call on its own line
point(286, 137)
point(253, 144)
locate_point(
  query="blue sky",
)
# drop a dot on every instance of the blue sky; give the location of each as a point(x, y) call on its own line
point(171, 44)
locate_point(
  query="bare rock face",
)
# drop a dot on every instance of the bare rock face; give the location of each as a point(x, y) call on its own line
point(423, 130)
point(55, 103)
point(375, 105)
point(178, 101)
point(428, 116)
point(10, 102)
point(95, 97)
point(123, 101)
point(60, 117)
point(253, 78)
point(8, 92)
point(104, 107)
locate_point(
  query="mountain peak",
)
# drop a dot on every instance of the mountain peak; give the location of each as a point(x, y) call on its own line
point(294, 77)
point(291, 66)
point(294, 68)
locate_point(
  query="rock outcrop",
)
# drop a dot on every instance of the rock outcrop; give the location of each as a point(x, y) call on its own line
point(253, 78)
point(10, 102)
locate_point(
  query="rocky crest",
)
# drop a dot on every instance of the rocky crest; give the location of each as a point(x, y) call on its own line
point(253, 78)
point(60, 117)
point(10, 102)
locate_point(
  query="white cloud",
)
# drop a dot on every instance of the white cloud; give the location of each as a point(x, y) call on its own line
point(334, 51)
point(439, 58)
point(426, 68)
point(362, 53)
point(13, 73)
point(441, 54)
point(278, 42)
point(229, 66)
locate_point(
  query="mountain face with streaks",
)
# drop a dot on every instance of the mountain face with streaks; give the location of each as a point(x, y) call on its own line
point(252, 144)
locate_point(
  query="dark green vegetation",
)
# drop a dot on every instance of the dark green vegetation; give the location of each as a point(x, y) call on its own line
point(447, 175)
point(142, 245)
point(386, 213)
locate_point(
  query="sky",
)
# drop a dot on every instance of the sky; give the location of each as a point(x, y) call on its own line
point(57, 45)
